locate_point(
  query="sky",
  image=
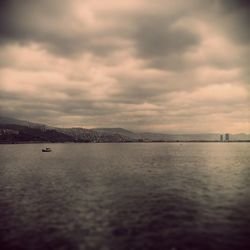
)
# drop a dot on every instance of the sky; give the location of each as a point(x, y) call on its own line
point(160, 66)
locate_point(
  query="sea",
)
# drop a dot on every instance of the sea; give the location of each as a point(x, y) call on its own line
point(125, 196)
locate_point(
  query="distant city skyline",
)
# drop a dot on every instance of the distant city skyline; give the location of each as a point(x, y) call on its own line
point(225, 137)
point(163, 66)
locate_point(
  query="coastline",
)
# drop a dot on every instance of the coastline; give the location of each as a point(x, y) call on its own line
point(122, 142)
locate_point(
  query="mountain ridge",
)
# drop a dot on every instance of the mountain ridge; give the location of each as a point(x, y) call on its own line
point(13, 130)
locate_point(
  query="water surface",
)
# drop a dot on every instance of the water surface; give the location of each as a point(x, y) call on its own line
point(131, 196)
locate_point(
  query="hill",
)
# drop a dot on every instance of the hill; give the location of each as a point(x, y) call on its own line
point(14, 131)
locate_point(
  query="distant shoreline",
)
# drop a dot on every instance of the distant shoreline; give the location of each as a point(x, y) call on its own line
point(13, 131)
point(44, 142)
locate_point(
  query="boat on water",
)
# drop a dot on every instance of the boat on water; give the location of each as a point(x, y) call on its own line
point(47, 150)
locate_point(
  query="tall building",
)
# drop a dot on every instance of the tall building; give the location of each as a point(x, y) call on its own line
point(226, 137)
point(221, 137)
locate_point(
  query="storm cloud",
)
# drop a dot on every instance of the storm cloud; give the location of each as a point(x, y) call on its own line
point(165, 66)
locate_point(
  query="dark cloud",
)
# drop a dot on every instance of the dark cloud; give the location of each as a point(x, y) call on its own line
point(53, 25)
point(50, 24)
point(158, 40)
point(233, 17)
point(28, 20)
point(232, 5)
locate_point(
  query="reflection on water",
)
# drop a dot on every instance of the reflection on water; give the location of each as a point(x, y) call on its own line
point(125, 196)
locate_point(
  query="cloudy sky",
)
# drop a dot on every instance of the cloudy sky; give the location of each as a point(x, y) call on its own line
point(161, 66)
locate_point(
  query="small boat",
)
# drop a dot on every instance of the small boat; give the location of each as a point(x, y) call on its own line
point(47, 150)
